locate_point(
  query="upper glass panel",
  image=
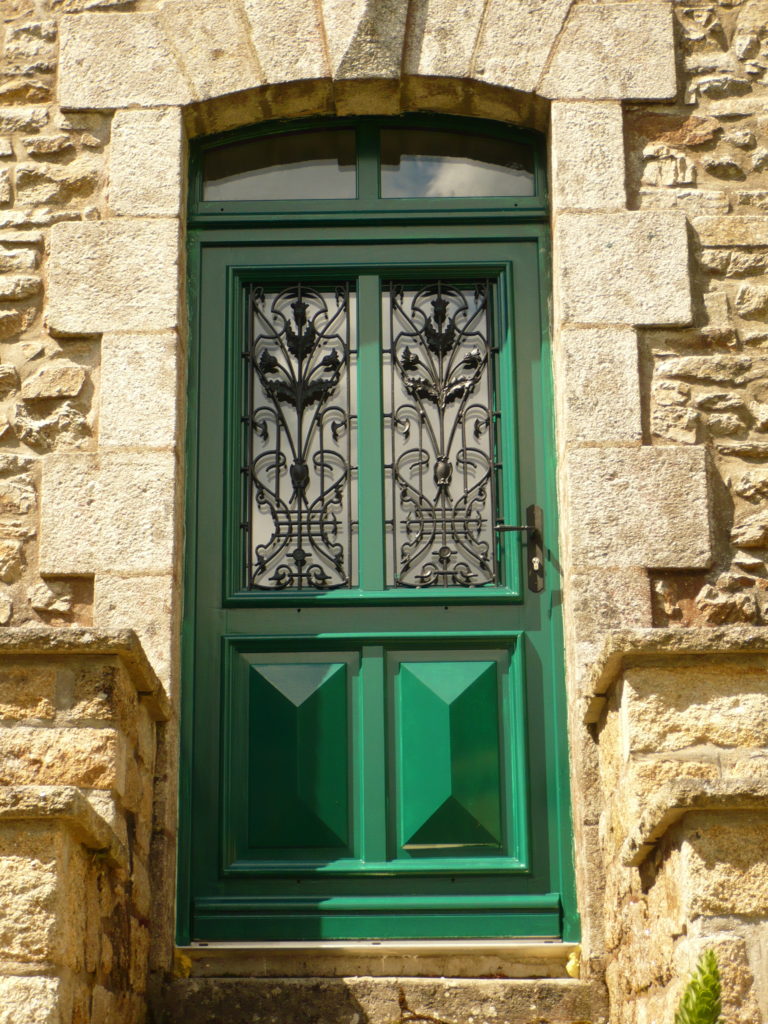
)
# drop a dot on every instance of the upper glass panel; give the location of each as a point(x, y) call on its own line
point(418, 163)
point(299, 165)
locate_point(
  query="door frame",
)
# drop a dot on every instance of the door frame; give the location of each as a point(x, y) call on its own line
point(525, 221)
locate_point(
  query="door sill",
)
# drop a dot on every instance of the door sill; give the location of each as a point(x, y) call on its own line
point(448, 958)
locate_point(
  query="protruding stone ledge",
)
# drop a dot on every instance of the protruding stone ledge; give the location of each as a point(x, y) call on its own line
point(676, 799)
point(65, 805)
point(81, 640)
point(626, 648)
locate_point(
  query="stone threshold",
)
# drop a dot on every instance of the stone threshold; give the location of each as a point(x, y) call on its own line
point(67, 806)
point(449, 958)
point(624, 648)
point(674, 800)
point(83, 640)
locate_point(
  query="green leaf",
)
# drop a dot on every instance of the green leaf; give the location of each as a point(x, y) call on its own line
point(701, 1003)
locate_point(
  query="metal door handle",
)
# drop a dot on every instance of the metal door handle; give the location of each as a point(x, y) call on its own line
point(534, 527)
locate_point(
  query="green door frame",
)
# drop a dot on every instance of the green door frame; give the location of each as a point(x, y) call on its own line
point(397, 229)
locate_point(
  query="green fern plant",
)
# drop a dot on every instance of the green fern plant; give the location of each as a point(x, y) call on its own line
point(701, 1000)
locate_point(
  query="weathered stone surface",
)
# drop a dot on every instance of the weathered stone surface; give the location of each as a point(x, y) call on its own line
point(55, 380)
point(117, 275)
point(365, 37)
point(442, 37)
point(145, 604)
point(40, 185)
point(216, 32)
point(98, 68)
point(752, 301)
point(68, 514)
point(27, 691)
point(145, 167)
point(71, 757)
point(645, 507)
point(725, 865)
point(11, 559)
point(19, 286)
point(274, 37)
point(516, 40)
point(671, 708)
point(732, 231)
point(587, 156)
point(118, 507)
point(623, 268)
point(22, 119)
point(598, 601)
point(601, 393)
point(596, 56)
point(133, 366)
point(30, 1000)
point(381, 1000)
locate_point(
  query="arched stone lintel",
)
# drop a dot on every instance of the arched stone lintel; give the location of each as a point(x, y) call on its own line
point(325, 97)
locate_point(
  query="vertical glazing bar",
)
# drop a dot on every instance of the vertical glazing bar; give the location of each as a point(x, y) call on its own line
point(370, 431)
point(247, 512)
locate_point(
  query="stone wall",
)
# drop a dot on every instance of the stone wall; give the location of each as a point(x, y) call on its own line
point(78, 714)
point(656, 114)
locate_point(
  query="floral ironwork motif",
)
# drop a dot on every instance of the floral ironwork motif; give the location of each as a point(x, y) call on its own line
point(299, 421)
point(442, 481)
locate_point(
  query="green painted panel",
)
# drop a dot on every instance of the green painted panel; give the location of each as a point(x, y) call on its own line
point(298, 764)
point(449, 765)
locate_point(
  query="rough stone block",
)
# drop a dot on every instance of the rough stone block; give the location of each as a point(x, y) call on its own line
point(732, 231)
point(145, 163)
point(139, 373)
point(441, 38)
point(136, 512)
point(274, 32)
point(30, 1000)
point(666, 709)
point(516, 40)
point(587, 156)
point(68, 522)
point(145, 604)
point(724, 865)
point(643, 507)
point(27, 691)
point(217, 34)
point(28, 912)
point(601, 386)
point(614, 51)
point(118, 60)
point(65, 757)
point(365, 37)
point(597, 601)
point(623, 268)
point(118, 275)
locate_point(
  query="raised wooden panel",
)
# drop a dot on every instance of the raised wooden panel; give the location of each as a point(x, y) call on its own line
point(298, 757)
point(448, 737)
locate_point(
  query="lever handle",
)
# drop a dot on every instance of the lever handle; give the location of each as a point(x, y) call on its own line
point(534, 527)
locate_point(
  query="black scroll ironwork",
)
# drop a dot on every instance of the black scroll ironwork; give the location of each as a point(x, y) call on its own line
point(442, 478)
point(299, 420)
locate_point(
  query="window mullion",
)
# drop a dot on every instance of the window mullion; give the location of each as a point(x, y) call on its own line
point(368, 162)
point(370, 429)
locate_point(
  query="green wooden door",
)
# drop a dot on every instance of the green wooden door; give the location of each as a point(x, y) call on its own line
point(373, 696)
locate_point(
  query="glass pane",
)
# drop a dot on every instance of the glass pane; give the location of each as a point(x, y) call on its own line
point(417, 163)
point(300, 471)
point(438, 405)
point(302, 165)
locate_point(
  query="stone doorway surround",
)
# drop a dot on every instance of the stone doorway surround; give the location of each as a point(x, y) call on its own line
point(164, 71)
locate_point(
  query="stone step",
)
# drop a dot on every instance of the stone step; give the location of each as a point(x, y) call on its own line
point(380, 1000)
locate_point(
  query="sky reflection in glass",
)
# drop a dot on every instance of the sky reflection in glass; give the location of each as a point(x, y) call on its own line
point(427, 164)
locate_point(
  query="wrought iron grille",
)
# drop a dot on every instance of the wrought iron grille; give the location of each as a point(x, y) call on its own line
point(441, 473)
point(300, 420)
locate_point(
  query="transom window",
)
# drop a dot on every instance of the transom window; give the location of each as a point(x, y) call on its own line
point(372, 161)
